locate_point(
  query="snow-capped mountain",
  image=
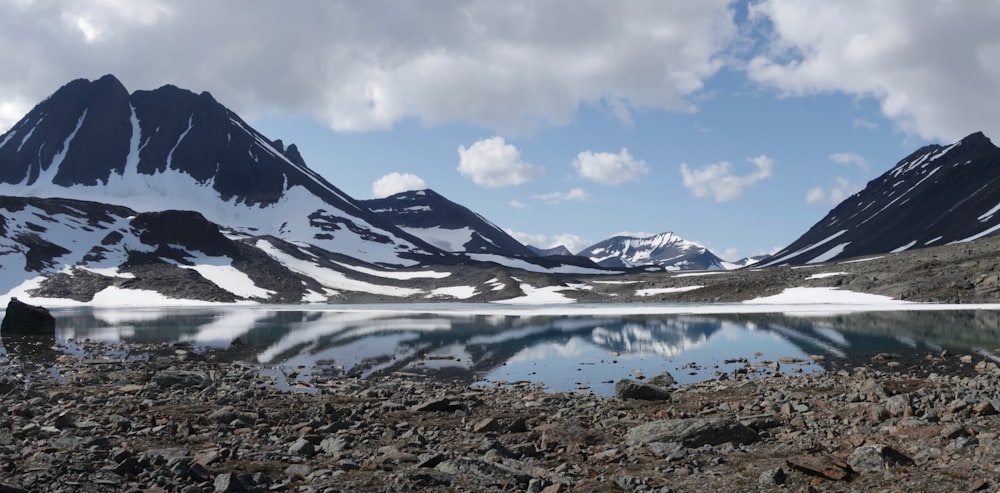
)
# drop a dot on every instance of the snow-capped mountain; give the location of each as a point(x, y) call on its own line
point(166, 197)
point(556, 251)
point(935, 196)
point(173, 149)
point(666, 251)
point(445, 224)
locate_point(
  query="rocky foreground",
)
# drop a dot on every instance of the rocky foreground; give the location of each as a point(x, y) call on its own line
point(175, 419)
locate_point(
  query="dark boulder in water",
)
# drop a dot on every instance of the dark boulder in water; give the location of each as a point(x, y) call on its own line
point(24, 319)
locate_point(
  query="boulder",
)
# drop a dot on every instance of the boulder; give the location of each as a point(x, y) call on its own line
point(631, 389)
point(24, 319)
point(876, 457)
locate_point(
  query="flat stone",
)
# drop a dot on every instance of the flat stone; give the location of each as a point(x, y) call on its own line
point(692, 432)
point(822, 466)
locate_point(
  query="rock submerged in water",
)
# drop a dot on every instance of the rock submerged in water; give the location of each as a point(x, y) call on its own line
point(24, 319)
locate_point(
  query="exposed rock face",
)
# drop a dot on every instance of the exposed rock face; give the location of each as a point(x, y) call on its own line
point(935, 196)
point(24, 319)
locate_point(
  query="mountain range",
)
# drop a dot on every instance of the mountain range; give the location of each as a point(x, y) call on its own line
point(169, 193)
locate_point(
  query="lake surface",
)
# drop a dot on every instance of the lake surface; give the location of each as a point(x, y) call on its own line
point(585, 352)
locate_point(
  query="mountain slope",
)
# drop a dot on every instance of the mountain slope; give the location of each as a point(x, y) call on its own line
point(556, 251)
point(173, 149)
point(667, 251)
point(445, 224)
point(935, 196)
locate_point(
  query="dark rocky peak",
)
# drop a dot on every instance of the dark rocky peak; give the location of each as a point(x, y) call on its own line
point(937, 195)
point(66, 135)
point(556, 251)
point(189, 229)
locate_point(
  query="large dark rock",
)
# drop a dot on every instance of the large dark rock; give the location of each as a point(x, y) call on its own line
point(24, 319)
point(631, 389)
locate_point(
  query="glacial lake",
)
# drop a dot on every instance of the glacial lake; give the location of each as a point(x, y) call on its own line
point(578, 350)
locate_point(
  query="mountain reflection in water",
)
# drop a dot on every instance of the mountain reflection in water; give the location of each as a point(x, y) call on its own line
point(563, 352)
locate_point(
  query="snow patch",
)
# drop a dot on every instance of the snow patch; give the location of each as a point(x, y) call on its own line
point(823, 296)
point(824, 275)
point(656, 291)
point(829, 254)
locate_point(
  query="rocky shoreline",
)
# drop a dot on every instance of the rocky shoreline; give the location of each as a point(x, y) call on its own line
point(179, 418)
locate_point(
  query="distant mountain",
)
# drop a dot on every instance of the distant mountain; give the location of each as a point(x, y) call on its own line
point(666, 251)
point(935, 196)
point(445, 224)
point(745, 262)
point(556, 251)
point(173, 149)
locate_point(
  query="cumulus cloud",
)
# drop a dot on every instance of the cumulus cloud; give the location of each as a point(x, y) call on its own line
point(850, 159)
point(572, 242)
point(574, 195)
point(511, 65)
point(842, 187)
point(495, 163)
point(832, 195)
point(394, 183)
point(718, 181)
point(933, 69)
point(609, 169)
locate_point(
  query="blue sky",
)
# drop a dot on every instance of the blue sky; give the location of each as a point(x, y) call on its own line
point(734, 124)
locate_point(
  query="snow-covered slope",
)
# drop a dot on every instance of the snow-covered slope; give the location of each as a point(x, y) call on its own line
point(445, 224)
point(666, 251)
point(935, 196)
point(65, 252)
point(173, 149)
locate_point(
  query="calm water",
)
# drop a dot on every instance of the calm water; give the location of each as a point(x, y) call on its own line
point(563, 352)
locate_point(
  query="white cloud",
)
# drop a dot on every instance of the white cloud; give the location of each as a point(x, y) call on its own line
point(842, 187)
point(832, 195)
point(933, 69)
point(517, 204)
point(609, 169)
point(574, 195)
point(11, 112)
point(495, 163)
point(718, 181)
point(511, 65)
point(394, 183)
point(572, 242)
point(850, 159)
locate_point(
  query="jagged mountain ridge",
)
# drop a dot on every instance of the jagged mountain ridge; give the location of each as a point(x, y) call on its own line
point(666, 251)
point(173, 149)
point(935, 196)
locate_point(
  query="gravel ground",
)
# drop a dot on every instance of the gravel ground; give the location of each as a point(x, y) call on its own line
point(177, 418)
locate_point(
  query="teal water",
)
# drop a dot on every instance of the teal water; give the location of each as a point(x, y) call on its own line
point(563, 352)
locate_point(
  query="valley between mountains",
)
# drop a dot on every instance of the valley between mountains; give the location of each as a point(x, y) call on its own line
point(167, 197)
